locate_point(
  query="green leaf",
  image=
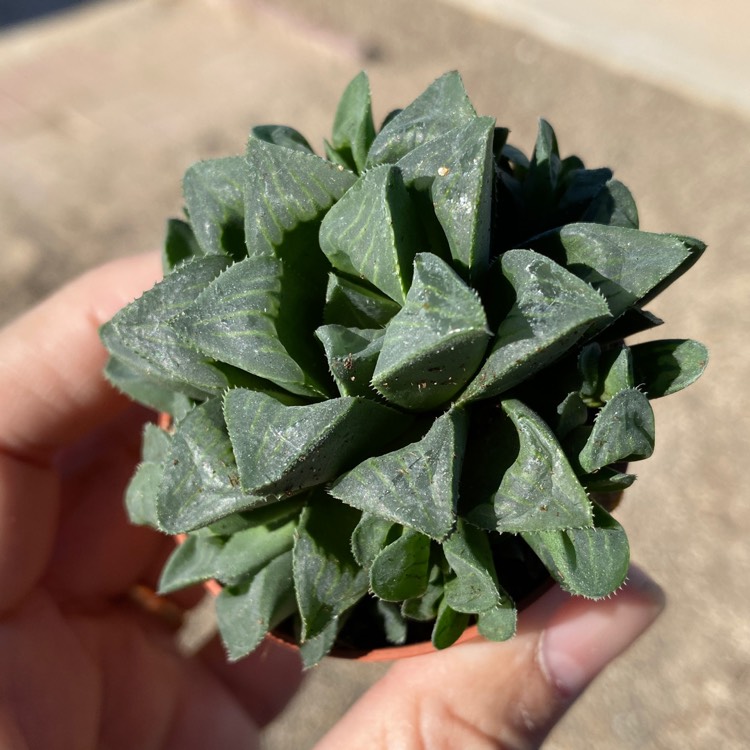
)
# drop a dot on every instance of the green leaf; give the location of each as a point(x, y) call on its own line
point(552, 310)
point(193, 561)
point(353, 127)
point(539, 490)
point(201, 483)
point(352, 354)
point(370, 536)
point(626, 265)
point(434, 345)
point(587, 562)
point(282, 135)
point(356, 306)
point(607, 480)
point(475, 588)
point(458, 168)
point(613, 205)
point(155, 395)
point(246, 614)
point(373, 232)
point(573, 413)
point(214, 193)
point(327, 579)
point(604, 373)
point(180, 244)
point(444, 105)
point(425, 607)
point(541, 183)
point(284, 449)
point(401, 570)
point(286, 187)
point(416, 485)
point(623, 431)
point(141, 338)
point(143, 489)
point(314, 649)
point(498, 623)
point(668, 366)
point(393, 622)
point(235, 320)
point(449, 625)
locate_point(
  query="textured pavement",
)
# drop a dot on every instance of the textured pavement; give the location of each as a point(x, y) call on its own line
point(102, 110)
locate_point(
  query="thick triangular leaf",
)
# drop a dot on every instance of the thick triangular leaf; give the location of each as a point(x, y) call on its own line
point(327, 578)
point(192, 561)
point(582, 186)
point(626, 265)
point(313, 650)
point(286, 187)
point(180, 244)
point(604, 373)
point(552, 310)
point(235, 318)
point(284, 449)
point(539, 490)
point(352, 354)
point(370, 536)
point(143, 489)
point(541, 183)
point(141, 337)
point(587, 562)
point(282, 135)
point(498, 623)
point(373, 232)
point(449, 626)
point(475, 588)
point(613, 205)
point(425, 607)
point(247, 613)
point(458, 169)
point(356, 306)
point(443, 106)
point(573, 413)
point(434, 345)
point(353, 127)
point(201, 483)
point(623, 431)
point(401, 570)
point(668, 366)
point(214, 193)
point(417, 485)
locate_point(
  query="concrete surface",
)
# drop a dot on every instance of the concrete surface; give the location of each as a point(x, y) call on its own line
point(101, 112)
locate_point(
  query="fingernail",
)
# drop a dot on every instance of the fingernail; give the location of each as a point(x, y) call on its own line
point(584, 636)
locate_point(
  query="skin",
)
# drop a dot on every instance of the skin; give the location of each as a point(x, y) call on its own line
point(84, 666)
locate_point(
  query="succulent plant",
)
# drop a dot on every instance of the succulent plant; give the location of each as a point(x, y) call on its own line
point(399, 396)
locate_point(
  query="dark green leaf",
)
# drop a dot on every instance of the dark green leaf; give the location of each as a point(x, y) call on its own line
point(541, 182)
point(604, 373)
point(283, 449)
point(573, 413)
point(614, 205)
point(373, 232)
point(402, 568)
point(247, 613)
point(458, 169)
point(214, 193)
point(143, 489)
point(286, 187)
point(282, 135)
point(352, 354)
point(393, 622)
point(417, 485)
point(425, 607)
point(353, 127)
point(623, 431)
point(235, 318)
point(498, 623)
point(179, 244)
point(141, 338)
point(668, 366)
point(370, 536)
point(356, 306)
point(327, 578)
point(201, 483)
point(607, 480)
point(314, 649)
point(475, 588)
point(434, 345)
point(443, 106)
point(587, 562)
point(449, 625)
point(552, 310)
point(193, 561)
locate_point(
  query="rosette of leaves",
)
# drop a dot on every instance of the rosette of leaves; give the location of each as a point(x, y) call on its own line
point(399, 393)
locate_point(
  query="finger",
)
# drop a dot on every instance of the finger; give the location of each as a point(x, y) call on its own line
point(489, 695)
point(53, 359)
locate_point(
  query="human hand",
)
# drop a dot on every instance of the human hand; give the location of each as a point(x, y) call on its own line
point(83, 667)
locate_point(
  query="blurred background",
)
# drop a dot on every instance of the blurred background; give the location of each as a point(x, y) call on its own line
point(104, 104)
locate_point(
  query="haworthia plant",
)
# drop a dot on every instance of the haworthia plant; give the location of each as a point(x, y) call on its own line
point(400, 394)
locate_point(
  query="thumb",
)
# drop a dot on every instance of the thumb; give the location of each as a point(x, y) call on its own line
point(480, 694)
